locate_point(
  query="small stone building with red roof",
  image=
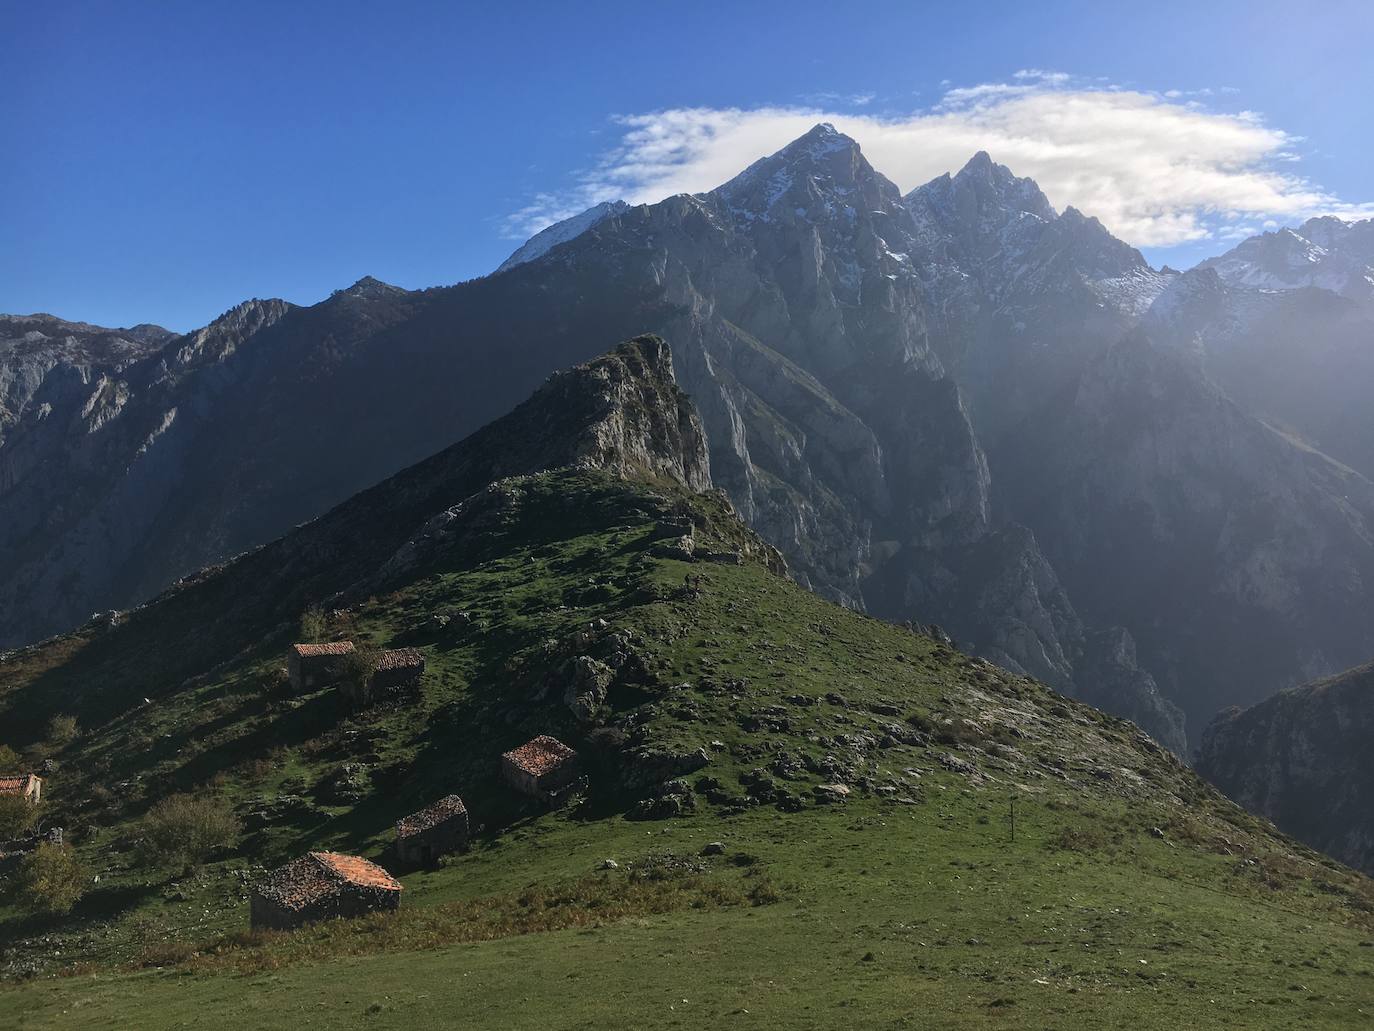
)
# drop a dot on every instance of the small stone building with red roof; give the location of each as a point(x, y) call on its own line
point(22, 785)
point(322, 886)
point(397, 670)
point(544, 768)
point(423, 837)
point(313, 666)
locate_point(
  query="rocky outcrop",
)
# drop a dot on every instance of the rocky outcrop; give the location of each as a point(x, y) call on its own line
point(1302, 758)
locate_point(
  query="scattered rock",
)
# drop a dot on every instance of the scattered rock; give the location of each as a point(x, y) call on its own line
point(714, 848)
point(829, 794)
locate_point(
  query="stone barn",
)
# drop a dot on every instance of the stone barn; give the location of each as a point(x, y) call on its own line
point(544, 768)
point(397, 670)
point(322, 886)
point(22, 785)
point(423, 837)
point(313, 666)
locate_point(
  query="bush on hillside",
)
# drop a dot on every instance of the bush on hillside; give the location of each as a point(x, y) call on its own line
point(62, 729)
point(358, 668)
point(314, 625)
point(51, 879)
point(183, 831)
point(17, 816)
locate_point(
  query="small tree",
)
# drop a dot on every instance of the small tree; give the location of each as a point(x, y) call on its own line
point(17, 816)
point(314, 624)
point(51, 879)
point(358, 668)
point(10, 762)
point(62, 729)
point(183, 831)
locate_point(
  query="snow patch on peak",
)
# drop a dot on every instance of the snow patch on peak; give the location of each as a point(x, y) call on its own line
point(561, 232)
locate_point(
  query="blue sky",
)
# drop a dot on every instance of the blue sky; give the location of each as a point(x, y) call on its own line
point(167, 160)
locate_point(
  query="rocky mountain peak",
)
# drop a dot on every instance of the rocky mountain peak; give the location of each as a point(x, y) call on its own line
point(370, 288)
point(818, 175)
point(623, 412)
point(1326, 253)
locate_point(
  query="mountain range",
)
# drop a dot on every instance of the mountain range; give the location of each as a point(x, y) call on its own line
point(956, 406)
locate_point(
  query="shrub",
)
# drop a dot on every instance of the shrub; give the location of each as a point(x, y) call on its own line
point(51, 879)
point(62, 729)
point(358, 668)
point(183, 831)
point(9, 760)
point(17, 816)
point(314, 624)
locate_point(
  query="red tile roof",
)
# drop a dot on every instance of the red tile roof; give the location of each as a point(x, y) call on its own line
point(357, 870)
point(318, 875)
point(439, 812)
point(400, 658)
point(309, 651)
point(540, 756)
point(16, 784)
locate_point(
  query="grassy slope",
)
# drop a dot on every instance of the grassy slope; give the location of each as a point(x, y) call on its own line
point(906, 906)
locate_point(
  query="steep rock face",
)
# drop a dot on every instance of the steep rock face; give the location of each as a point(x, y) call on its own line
point(1302, 758)
point(1231, 553)
point(37, 348)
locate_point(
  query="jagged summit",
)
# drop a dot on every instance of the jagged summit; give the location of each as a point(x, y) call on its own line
point(982, 194)
point(822, 172)
point(1326, 253)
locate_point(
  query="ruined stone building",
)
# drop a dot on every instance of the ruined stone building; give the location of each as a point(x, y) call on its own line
point(423, 837)
point(313, 666)
point(397, 670)
point(322, 886)
point(544, 768)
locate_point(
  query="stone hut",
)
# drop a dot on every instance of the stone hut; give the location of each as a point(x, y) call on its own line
point(23, 785)
point(544, 768)
point(396, 670)
point(423, 837)
point(313, 666)
point(322, 886)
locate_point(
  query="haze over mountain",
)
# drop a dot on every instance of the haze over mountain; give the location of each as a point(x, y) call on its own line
point(957, 406)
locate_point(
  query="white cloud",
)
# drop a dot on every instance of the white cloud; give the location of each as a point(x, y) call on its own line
point(1157, 169)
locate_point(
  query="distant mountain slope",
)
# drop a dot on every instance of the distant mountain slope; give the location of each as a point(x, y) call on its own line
point(1303, 759)
point(1236, 556)
point(789, 808)
point(1301, 358)
point(1325, 253)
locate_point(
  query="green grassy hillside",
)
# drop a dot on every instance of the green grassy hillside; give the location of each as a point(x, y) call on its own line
point(1131, 892)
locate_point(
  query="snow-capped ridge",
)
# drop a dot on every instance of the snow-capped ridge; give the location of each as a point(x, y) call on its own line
point(561, 232)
